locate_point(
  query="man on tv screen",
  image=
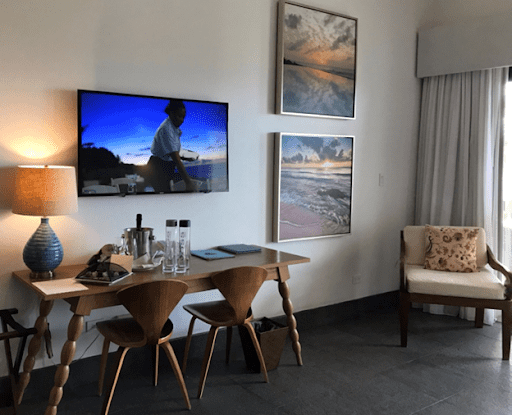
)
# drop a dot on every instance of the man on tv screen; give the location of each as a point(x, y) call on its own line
point(165, 163)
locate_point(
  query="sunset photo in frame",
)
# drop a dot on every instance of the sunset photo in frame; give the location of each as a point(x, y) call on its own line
point(316, 62)
point(312, 186)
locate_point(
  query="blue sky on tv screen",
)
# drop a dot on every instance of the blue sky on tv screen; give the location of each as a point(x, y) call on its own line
point(126, 125)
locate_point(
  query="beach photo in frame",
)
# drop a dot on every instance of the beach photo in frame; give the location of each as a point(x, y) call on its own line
point(316, 62)
point(312, 186)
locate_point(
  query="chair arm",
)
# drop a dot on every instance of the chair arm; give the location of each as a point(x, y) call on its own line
point(498, 266)
point(8, 320)
point(402, 262)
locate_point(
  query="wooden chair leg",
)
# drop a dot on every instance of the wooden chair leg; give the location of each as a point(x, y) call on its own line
point(256, 344)
point(169, 351)
point(116, 369)
point(506, 323)
point(405, 306)
point(479, 317)
point(187, 344)
point(155, 364)
point(206, 360)
point(103, 365)
point(229, 336)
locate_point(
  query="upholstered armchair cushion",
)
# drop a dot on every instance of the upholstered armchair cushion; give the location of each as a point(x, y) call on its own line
point(480, 284)
point(414, 238)
point(450, 248)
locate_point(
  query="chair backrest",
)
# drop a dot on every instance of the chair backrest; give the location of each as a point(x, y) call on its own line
point(239, 286)
point(414, 238)
point(151, 303)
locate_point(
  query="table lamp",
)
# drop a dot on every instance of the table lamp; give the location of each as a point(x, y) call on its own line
point(44, 191)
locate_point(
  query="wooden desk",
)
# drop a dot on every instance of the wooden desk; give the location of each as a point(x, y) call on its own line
point(94, 296)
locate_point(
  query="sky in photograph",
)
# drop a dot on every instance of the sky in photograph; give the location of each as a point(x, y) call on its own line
point(324, 149)
point(318, 39)
point(126, 125)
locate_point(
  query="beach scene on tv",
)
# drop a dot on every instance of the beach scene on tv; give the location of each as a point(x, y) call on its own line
point(315, 192)
point(319, 67)
point(135, 144)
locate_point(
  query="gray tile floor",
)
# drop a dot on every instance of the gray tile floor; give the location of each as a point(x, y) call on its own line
point(352, 367)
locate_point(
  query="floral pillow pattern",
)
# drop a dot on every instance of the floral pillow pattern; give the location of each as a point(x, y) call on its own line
point(450, 249)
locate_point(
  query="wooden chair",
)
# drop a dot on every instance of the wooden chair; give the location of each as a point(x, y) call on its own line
point(239, 287)
point(13, 367)
point(479, 289)
point(150, 304)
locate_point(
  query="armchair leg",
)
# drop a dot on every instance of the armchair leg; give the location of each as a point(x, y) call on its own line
point(103, 365)
point(479, 317)
point(119, 358)
point(229, 336)
point(507, 321)
point(405, 306)
point(177, 371)
point(187, 344)
point(257, 347)
point(156, 358)
point(206, 359)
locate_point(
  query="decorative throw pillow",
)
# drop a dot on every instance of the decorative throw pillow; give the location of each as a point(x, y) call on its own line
point(450, 249)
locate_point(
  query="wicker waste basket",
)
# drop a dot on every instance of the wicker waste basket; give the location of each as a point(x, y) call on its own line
point(271, 336)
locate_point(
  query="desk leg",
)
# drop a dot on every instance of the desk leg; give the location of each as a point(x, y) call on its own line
point(33, 347)
point(284, 290)
point(68, 351)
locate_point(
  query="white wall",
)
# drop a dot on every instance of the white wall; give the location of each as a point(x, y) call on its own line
point(222, 50)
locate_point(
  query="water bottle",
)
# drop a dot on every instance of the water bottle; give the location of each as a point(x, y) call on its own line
point(183, 261)
point(171, 242)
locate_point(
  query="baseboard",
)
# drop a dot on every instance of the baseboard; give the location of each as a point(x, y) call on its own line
point(343, 311)
point(88, 367)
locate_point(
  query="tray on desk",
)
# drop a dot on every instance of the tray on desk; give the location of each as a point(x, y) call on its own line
point(103, 273)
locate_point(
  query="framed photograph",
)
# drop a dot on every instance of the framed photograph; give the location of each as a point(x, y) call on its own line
point(316, 62)
point(313, 186)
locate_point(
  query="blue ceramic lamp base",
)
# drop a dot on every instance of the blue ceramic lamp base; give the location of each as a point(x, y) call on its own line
point(43, 252)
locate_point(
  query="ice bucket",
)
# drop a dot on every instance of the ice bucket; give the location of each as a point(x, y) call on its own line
point(139, 241)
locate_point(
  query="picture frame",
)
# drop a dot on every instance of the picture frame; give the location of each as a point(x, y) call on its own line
point(316, 62)
point(313, 181)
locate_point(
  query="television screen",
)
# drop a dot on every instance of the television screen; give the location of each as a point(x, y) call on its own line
point(134, 144)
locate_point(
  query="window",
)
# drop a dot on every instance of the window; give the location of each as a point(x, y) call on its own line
point(507, 179)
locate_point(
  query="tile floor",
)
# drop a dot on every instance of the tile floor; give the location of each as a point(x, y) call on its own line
point(352, 367)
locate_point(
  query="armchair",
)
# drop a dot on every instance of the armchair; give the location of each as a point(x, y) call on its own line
point(480, 289)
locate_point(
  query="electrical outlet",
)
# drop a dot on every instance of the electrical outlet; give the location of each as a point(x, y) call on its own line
point(356, 279)
point(91, 324)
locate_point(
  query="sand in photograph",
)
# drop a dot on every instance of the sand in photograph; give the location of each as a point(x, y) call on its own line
point(297, 222)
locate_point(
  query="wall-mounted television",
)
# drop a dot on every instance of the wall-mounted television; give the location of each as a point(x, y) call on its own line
point(135, 144)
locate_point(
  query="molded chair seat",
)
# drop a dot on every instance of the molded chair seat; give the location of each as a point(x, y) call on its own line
point(239, 286)
point(127, 332)
point(215, 313)
point(150, 304)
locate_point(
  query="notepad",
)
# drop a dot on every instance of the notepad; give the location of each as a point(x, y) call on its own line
point(240, 248)
point(59, 286)
point(210, 254)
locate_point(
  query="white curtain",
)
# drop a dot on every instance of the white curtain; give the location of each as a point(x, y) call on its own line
point(459, 158)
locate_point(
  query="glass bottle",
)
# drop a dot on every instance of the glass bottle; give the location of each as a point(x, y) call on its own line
point(171, 242)
point(183, 261)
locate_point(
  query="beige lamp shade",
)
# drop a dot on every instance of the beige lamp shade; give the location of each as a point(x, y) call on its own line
point(45, 191)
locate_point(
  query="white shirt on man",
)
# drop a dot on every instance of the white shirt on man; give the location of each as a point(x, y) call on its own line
point(167, 140)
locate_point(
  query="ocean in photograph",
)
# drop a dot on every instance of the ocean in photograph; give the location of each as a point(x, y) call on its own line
point(313, 91)
point(314, 202)
point(215, 171)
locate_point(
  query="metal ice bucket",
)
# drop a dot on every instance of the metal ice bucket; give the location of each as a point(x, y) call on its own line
point(139, 241)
